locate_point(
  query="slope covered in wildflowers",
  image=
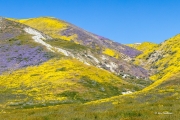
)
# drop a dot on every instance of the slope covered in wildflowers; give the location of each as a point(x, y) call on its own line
point(161, 60)
point(147, 48)
point(161, 103)
point(17, 48)
point(100, 52)
point(165, 60)
point(59, 81)
point(34, 70)
point(46, 62)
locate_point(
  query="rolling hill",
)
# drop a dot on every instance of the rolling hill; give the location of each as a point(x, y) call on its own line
point(39, 70)
point(51, 69)
point(103, 55)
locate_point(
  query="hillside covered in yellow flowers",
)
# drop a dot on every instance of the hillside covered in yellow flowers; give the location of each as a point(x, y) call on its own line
point(49, 67)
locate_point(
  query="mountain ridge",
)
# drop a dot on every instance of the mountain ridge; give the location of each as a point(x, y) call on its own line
point(67, 29)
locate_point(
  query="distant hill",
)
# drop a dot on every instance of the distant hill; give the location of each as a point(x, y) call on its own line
point(144, 47)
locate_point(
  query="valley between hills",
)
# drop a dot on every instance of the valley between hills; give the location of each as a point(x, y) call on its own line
point(53, 70)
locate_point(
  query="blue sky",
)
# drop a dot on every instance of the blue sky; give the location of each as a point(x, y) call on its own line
point(124, 21)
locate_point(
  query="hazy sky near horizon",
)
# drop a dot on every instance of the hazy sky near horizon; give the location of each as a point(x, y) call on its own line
point(124, 21)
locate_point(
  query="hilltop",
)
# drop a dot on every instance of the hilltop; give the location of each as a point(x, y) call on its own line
point(60, 29)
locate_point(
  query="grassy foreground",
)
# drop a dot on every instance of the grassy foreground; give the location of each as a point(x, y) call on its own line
point(161, 103)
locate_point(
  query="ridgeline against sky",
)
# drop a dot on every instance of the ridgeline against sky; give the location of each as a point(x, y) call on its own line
point(124, 21)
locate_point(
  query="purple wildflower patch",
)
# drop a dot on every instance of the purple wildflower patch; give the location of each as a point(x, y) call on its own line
point(15, 57)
